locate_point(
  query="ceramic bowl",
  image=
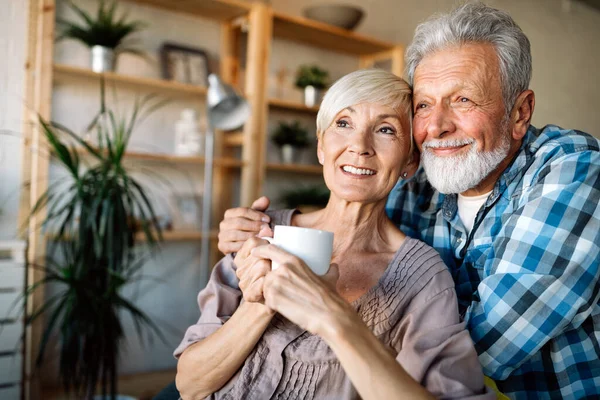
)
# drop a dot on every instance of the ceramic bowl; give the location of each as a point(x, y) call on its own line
point(340, 15)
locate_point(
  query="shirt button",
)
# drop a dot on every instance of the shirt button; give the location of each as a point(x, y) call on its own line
point(460, 240)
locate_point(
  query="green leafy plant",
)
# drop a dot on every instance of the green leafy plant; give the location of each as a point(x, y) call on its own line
point(96, 218)
point(312, 75)
point(317, 195)
point(106, 29)
point(290, 133)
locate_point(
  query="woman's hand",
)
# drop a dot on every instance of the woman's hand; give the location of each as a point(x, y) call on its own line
point(251, 270)
point(293, 290)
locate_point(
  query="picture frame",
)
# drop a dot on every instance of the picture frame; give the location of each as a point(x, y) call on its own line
point(184, 64)
point(186, 211)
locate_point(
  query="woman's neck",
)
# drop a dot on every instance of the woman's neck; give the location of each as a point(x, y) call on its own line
point(356, 227)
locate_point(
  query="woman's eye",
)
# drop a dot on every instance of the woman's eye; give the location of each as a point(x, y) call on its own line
point(464, 100)
point(341, 123)
point(387, 130)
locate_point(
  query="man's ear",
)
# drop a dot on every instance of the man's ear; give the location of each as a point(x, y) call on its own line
point(413, 165)
point(522, 113)
point(320, 153)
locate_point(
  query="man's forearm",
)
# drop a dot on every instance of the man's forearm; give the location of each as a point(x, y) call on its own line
point(206, 366)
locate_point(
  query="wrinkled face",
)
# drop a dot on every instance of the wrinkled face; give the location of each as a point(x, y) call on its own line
point(459, 122)
point(364, 151)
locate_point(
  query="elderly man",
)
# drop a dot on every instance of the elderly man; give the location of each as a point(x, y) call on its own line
point(512, 209)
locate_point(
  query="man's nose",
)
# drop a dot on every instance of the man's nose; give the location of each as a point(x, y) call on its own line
point(440, 122)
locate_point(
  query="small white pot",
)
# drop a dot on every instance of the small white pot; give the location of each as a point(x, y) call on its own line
point(312, 96)
point(289, 154)
point(102, 59)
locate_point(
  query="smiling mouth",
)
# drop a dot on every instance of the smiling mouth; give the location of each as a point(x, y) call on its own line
point(358, 171)
point(448, 148)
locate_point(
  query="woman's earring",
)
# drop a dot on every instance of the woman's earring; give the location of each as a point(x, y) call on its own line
point(404, 175)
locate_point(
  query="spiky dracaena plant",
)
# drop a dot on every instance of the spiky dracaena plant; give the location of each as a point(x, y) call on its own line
point(106, 29)
point(95, 217)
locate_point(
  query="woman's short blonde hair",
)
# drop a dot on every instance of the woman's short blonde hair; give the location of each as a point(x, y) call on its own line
point(365, 86)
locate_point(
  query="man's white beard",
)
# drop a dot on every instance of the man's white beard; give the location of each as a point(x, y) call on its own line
point(456, 174)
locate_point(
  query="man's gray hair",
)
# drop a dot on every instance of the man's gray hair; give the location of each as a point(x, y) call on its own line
point(479, 23)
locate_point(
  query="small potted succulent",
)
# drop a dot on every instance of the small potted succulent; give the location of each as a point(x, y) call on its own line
point(313, 80)
point(105, 34)
point(290, 138)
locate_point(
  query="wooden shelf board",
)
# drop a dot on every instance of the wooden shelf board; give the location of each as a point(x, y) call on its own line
point(216, 9)
point(291, 105)
point(136, 155)
point(326, 36)
point(62, 71)
point(233, 139)
point(300, 168)
point(180, 236)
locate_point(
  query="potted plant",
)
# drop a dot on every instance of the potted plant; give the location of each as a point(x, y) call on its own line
point(306, 198)
point(95, 219)
point(312, 80)
point(105, 34)
point(290, 138)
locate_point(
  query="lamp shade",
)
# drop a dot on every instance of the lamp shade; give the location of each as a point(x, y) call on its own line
point(226, 109)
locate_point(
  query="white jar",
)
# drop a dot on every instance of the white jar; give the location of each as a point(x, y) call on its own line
point(189, 138)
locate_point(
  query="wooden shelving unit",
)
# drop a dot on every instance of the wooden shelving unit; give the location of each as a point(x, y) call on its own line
point(175, 159)
point(290, 105)
point(63, 72)
point(298, 168)
point(181, 236)
point(222, 10)
point(318, 34)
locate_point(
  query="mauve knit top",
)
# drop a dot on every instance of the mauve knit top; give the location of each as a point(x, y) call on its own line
point(412, 309)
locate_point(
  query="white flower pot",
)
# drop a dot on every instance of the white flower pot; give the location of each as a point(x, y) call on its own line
point(312, 96)
point(289, 154)
point(102, 59)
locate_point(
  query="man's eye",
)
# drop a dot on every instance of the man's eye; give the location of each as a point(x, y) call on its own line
point(464, 100)
point(420, 106)
point(341, 123)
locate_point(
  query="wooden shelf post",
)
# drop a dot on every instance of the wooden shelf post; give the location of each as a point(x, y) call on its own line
point(253, 152)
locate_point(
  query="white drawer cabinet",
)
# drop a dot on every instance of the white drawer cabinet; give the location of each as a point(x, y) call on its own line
point(10, 393)
point(12, 285)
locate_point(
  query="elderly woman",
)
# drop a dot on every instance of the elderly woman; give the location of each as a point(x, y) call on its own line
point(383, 323)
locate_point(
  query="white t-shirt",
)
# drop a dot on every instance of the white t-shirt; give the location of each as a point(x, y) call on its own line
point(468, 207)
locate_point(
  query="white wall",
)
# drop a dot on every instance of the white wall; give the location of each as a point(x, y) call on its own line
point(13, 29)
point(565, 47)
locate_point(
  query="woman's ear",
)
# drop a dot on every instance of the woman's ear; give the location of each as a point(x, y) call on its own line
point(413, 164)
point(320, 153)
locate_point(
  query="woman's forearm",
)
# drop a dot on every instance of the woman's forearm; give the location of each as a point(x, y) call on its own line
point(373, 370)
point(206, 366)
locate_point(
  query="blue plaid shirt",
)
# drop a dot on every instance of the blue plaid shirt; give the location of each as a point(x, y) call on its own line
point(527, 276)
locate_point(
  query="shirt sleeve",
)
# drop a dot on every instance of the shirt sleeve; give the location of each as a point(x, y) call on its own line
point(434, 347)
point(542, 277)
point(217, 302)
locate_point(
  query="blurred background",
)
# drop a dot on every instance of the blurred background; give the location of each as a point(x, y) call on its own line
point(280, 56)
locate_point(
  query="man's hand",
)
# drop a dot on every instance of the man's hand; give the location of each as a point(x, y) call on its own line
point(242, 223)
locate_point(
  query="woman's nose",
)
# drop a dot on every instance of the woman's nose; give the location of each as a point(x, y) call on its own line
point(361, 143)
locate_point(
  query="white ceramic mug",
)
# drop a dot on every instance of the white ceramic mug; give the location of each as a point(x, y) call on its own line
point(313, 246)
